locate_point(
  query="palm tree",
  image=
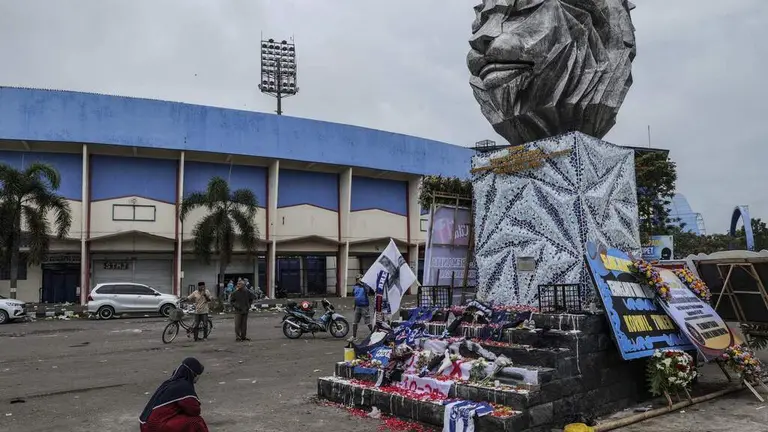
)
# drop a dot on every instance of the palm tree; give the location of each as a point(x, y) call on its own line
point(28, 196)
point(230, 216)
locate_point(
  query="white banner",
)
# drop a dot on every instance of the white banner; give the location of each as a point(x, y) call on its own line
point(427, 385)
point(398, 274)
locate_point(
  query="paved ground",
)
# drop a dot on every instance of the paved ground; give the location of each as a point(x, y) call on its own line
point(95, 375)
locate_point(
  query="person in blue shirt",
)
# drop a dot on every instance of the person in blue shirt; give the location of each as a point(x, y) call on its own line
point(361, 291)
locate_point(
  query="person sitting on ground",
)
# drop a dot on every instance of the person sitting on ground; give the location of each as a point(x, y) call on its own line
point(175, 406)
point(361, 291)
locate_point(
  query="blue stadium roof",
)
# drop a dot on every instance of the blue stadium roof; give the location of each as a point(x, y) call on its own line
point(54, 115)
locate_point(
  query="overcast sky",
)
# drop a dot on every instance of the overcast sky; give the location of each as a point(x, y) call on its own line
point(400, 65)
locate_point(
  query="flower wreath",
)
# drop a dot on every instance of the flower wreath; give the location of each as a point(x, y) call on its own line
point(649, 276)
point(744, 362)
point(670, 371)
point(694, 283)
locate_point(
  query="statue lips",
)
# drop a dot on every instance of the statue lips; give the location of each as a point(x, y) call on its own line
point(498, 74)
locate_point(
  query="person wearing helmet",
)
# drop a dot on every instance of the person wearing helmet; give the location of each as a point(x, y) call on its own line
point(361, 291)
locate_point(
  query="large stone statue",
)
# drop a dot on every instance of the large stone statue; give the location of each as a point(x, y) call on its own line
point(540, 68)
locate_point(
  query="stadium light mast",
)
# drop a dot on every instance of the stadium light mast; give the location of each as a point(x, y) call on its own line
point(278, 70)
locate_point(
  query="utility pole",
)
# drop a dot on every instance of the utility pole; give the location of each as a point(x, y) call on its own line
point(649, 136)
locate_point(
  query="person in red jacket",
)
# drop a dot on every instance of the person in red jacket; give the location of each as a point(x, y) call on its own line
point(175, 406)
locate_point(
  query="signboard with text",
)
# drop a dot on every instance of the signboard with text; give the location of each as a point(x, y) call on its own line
point(447, 249)
point(640, 326)
point(659, 248)
point(703, 326)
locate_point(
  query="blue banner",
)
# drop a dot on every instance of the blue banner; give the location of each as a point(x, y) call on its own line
point(640, 326)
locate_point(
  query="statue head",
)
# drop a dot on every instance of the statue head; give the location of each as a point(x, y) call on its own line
point(540, 68)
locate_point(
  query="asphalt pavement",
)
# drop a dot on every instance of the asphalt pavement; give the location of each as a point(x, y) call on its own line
point(97, 375)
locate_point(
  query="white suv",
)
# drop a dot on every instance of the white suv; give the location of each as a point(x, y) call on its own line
point(108, 299)
point(11, 310)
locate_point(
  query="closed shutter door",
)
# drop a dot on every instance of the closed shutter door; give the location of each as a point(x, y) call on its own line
point(107, 271)
point(156, 273)
point(194, 272)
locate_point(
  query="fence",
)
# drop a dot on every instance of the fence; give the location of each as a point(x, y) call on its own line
point(444, 296)
point(560, 298)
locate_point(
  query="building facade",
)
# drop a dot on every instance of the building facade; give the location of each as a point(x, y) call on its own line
point(331, 196)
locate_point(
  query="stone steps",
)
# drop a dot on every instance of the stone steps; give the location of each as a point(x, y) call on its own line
point(345, 392)
point(550, 358)
point(518, 399)
point(577, 371)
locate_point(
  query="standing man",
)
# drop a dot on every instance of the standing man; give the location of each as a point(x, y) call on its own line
point(361, 292)
point(200, 299)
point(241, 301)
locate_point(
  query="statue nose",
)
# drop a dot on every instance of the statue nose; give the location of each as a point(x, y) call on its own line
point(507, 47)
point(481, 42)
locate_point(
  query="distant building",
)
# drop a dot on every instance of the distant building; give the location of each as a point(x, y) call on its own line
point(681, 212)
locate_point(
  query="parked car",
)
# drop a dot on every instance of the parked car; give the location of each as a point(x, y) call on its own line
point(11, 310)
point(108, 299)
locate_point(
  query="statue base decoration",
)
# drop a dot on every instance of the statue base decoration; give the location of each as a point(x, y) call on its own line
point(537, 205)
point(563, 370)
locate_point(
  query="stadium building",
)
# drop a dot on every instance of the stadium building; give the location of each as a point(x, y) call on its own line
point(331, 195)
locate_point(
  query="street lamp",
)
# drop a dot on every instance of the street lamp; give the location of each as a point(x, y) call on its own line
point(278, 70)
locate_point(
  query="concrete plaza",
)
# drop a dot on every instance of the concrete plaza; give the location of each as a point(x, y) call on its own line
point(97, 375)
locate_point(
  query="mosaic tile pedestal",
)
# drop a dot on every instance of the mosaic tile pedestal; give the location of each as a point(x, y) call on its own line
point(583, 190)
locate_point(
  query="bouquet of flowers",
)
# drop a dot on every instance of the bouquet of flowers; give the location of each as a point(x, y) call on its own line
point(744, 362)
point(423, 358)
point(650, 277)
point(367, 362)
point(478, 372)
point(694, 284)
point(670, 370)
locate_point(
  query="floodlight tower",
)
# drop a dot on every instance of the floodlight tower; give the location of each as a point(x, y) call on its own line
point(278, 70)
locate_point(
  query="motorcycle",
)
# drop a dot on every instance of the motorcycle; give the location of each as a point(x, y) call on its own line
point(299, 319)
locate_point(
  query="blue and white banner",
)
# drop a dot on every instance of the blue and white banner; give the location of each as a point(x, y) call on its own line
point(392, 275)
point(460, 416)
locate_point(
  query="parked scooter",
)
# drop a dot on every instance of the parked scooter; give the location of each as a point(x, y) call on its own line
point(299, 319)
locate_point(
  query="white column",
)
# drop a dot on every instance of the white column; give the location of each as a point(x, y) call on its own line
point(345, 207)
point(273, 187)
point(414, 225)
point(180, 233)
point(85, 201)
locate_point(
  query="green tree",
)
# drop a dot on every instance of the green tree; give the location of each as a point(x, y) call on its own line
point(230, 217)
point(759, 231)
point(27, 198)
point(655, 175)
point(436, 185)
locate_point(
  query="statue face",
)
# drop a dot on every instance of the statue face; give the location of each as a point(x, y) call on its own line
point(540, 68)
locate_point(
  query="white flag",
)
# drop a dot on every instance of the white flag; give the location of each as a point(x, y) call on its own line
point(394, 272)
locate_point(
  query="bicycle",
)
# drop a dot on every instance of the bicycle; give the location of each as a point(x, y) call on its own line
point(177, 320)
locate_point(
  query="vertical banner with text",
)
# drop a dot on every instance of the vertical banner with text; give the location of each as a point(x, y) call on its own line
point(639, 325)
point(448, 246)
